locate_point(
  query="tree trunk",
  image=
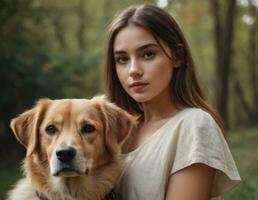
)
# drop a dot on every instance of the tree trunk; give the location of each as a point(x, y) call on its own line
point(253, 59)
point(82, 25)
point(223, 34)
point(241, 97)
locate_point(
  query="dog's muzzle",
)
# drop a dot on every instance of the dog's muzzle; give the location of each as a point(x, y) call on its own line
point(67, 161)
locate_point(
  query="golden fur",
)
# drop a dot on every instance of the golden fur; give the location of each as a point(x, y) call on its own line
point(55, 124)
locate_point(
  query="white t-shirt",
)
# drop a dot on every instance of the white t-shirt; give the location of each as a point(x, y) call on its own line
point(191, 136)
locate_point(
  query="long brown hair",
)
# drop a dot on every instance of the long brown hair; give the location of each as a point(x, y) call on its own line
point(185, 88)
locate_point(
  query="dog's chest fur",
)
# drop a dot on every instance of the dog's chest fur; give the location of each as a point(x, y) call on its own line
point(88, 187)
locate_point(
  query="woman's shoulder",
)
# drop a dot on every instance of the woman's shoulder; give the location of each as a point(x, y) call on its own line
point(197, 118)
point(198, 114)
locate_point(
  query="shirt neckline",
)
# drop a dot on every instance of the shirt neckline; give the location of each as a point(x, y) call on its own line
point(156, 132)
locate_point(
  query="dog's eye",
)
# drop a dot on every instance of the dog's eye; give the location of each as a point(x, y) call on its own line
point(87, 128)
point(51, 129)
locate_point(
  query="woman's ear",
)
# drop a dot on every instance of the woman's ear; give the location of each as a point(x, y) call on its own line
point(26, 126)
point(179, 55)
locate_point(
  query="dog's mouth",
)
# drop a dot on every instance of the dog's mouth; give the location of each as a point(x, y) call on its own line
point(66, 170)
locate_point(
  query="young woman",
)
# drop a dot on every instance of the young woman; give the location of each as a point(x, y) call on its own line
point(177, 151)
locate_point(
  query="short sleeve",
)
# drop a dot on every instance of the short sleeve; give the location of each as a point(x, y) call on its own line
point(200, 140)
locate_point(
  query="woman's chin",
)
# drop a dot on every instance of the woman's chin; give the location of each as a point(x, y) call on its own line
point(140, 98)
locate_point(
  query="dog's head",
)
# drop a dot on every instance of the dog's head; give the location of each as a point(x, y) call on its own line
point(71, 137)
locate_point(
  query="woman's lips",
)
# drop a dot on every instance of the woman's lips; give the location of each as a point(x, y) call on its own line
point(138, 86)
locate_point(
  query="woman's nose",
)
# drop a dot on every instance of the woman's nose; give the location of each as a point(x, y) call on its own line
point(135, 68)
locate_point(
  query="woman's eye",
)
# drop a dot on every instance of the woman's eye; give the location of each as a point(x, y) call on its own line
point(51, 129)
point(148, 55)
point(122, 60)
point(87, 128)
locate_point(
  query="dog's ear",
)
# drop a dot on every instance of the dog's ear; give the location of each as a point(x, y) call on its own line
point(117, 125)
point(26, 125)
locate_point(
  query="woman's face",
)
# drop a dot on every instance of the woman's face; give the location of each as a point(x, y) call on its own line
point(142, 67)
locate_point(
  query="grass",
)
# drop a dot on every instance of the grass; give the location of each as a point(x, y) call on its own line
point(243, 144)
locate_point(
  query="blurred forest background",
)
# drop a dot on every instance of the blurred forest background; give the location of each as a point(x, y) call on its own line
point(56, 49)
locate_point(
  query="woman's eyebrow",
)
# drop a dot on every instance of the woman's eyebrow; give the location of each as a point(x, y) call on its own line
point(145, 46)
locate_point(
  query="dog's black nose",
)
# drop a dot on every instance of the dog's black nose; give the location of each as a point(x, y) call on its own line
point(65, 154)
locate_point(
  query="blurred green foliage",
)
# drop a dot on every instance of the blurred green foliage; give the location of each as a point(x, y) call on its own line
point(244, 145)
point(8, 177)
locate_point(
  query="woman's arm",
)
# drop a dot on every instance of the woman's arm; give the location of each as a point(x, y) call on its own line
point(191, 183)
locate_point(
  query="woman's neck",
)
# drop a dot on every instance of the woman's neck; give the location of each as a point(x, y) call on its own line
point(158, 109)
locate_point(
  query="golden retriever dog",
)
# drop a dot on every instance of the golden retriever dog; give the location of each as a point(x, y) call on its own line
point(73, 149)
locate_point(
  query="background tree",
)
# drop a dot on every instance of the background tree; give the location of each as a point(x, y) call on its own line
point(224, 35)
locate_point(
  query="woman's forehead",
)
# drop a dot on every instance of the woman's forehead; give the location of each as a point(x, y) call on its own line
point(132, 37)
